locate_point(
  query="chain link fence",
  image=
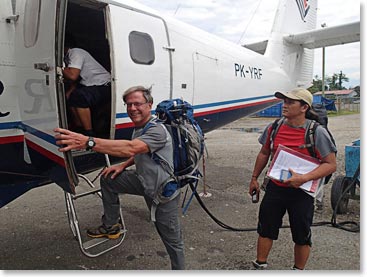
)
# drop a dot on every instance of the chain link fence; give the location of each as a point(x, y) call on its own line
point(351, 104)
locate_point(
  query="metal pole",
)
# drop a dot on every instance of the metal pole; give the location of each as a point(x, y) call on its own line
point(323, 25)
point(323, 71)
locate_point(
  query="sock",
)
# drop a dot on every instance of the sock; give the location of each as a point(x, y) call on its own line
point(257, 261)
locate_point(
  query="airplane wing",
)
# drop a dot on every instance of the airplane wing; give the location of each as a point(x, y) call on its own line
point(328, 36)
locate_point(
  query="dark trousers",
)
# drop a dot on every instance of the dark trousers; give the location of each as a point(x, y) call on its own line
point(278, 200)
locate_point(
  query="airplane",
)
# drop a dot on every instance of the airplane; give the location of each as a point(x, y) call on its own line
point(139, 46)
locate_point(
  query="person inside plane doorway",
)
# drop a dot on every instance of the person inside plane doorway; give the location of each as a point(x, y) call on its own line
point(286, 196)
point(89, 88)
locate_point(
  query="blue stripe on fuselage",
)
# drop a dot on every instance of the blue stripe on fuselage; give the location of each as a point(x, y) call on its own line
point(214, 104)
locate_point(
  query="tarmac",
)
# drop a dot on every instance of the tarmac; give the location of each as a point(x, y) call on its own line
point(36, 234)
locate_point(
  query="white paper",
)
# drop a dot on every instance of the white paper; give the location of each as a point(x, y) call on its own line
point(286, 160)
point(313, 194)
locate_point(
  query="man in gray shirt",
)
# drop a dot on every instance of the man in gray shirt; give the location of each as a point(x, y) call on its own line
point(143, 181)
point(286, 196)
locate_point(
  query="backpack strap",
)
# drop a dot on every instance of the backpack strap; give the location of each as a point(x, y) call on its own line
point(274, 130)
point(150, 123)
point(171, 181)
point(310, 142)
point(309, 135)
point(155, 156)
point(159, 159)
point(310, 138)
point(161, 198)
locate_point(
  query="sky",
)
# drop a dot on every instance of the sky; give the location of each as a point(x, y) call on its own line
point(247, 21)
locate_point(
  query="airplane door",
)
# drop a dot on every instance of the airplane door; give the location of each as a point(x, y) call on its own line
point(141, 54)
point(39, 47)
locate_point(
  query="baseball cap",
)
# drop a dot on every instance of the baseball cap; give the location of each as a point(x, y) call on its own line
point(296, 94)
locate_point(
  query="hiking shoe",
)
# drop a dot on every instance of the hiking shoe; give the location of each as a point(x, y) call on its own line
point(113, 232)
point(259, 265)
point(319, 206)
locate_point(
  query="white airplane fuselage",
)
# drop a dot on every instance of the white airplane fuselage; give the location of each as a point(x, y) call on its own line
point(223, 81)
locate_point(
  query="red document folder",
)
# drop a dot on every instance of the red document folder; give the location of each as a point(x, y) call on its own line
point(285, 158)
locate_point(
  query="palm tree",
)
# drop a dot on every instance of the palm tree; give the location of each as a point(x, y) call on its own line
point(336, 81)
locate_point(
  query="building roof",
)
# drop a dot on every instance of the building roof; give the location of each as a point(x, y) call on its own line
point(336, 92)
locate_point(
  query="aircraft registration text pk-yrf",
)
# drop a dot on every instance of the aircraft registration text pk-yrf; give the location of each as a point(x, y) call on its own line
point(247, 71)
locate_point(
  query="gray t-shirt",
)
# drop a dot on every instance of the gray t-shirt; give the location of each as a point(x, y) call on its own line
point(159, 141)
point(91, 72)
point(323, 142)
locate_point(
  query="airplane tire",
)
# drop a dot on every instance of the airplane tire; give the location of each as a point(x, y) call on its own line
point(340, 184)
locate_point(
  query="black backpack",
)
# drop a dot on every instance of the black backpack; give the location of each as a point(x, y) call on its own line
point(309, 134)
point(321, 111)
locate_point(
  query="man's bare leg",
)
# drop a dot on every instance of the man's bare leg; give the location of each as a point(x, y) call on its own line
point(263, 248)
point(301, 254)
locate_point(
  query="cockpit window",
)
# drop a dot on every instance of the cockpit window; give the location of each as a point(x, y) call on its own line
point(31, 22)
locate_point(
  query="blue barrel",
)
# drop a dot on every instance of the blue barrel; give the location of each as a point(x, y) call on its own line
point(352, 158)
point(273, 111)
point(317, 99)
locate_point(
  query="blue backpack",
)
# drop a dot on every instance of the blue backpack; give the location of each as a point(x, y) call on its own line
point(177, 116)
point(187, 137)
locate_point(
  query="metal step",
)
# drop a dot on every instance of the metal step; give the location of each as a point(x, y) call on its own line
point(93, 247)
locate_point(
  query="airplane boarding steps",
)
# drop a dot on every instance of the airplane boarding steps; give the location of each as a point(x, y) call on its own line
point(97, 246)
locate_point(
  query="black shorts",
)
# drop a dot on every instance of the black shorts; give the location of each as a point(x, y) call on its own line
point(300, 207)
point(90, 97)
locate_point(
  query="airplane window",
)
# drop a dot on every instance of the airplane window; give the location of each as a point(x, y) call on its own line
point(31, 22)
point(141, 48)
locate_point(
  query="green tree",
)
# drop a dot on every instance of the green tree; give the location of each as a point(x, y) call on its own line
point(335, 82)
point(316, 85)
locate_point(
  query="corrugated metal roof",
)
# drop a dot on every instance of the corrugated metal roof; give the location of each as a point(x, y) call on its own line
point(336, 92)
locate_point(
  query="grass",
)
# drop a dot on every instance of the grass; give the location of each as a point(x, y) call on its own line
point(342, 112)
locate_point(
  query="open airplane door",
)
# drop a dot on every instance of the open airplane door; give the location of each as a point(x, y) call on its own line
point(142, 54)
point(39, 54)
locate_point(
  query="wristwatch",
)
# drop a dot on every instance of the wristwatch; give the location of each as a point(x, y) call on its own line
point(90, 143)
